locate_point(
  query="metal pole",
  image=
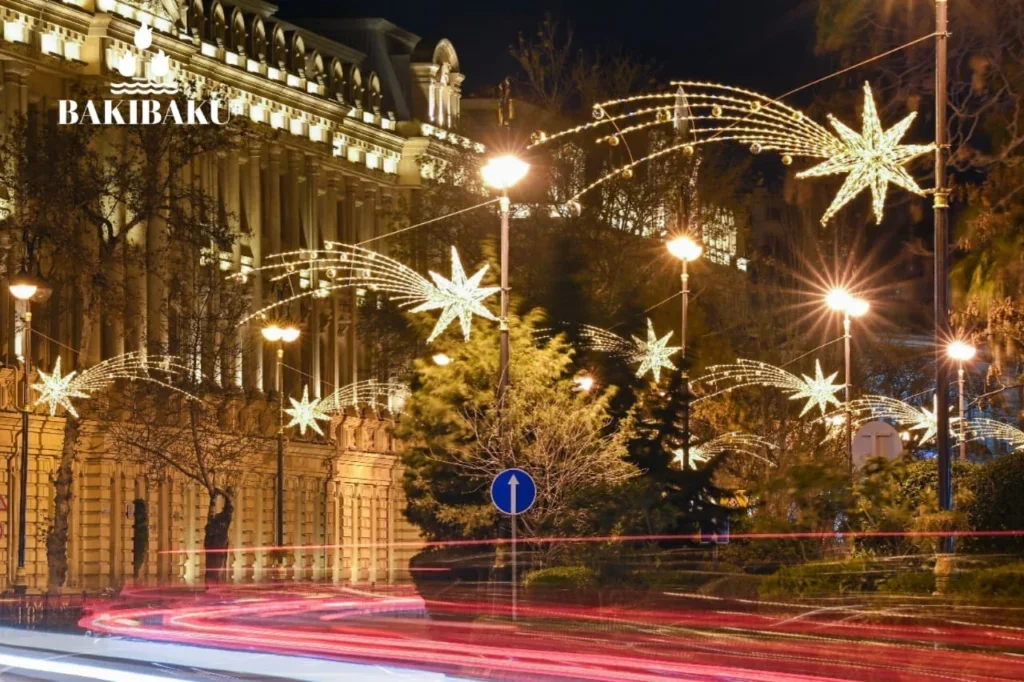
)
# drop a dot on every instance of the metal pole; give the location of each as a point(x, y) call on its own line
point(849, 424)
point(941, 207)
point(279, 540)
point(685, 368)
point(20, 579)
point(503, 321)
point(963, 411)
point(515, 585)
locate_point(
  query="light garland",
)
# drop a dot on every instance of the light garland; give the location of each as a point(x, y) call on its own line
point(345, 265)
point(742, 443)
point(981, 429)
point(306, 412)
point(709, 112)
point(652, 354)
point(57, 390)
point(819, 390)
point(370, 393)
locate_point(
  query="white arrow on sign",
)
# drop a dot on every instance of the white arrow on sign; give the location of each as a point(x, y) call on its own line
point(512, 483)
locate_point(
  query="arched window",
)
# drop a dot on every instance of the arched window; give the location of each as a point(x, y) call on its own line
point(258, 40)
point(237, 35)
point(373, 94)
point(336, 81)
point(278, 48)
point(355, 87)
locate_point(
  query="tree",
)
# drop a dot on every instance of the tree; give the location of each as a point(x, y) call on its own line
point(458, 440)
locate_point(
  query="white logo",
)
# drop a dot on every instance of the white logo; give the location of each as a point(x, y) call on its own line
point(142, 110)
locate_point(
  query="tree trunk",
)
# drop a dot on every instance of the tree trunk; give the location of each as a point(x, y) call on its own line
point(215, 540)
point(57, 535)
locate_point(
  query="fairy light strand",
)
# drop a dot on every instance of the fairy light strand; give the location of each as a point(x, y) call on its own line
point(818, 390)
point(734, 442)
point(652, 355)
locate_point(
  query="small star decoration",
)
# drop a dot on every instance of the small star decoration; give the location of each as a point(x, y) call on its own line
point(55, 390)
point(871, 159)
point(305, 413)
point(654, 353)
point(460, 297)
point(819, 391)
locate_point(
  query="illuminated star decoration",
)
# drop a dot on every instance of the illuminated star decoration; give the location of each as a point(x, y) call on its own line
point(652, 354)
point(982, 429)
point(57, 390)
point(457, 297)
point(871, 159)
point(903, 415)
point(317, 273)
point(701, 113)
point(735, 442)
point(305, 414)
point(818, 391)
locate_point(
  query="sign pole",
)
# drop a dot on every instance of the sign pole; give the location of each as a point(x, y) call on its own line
point(512, 483)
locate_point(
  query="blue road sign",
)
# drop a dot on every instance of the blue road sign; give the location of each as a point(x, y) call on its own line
point(513, 491)
point(715, 530)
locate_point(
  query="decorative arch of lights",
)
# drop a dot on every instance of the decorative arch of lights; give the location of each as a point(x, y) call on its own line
point(700, 113)
point(905, 416)
point(734, 442)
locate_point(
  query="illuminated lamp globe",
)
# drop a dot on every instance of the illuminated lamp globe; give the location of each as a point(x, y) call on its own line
point(685, 248)
point(503, 172)
point(25, 286)
point(839, 299)
point(961, 351)
point(858, 307)
point(273, 333)
point(289, 334)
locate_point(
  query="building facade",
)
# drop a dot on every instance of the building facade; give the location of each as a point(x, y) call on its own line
point(349, 122)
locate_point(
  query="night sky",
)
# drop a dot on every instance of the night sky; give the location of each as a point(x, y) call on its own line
point(767, 45)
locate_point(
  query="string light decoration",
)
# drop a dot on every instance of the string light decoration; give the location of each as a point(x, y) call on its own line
point(57, 389)
point(339, 266)
point(818, 390)
point(982, 429)
point(735, 442)
point(306, 412)
point(871, 159)
point(388, 395)
point(903, 415)
point(652, 354)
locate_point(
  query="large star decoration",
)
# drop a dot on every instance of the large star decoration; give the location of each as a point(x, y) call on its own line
point(819, 391)
point(55, 390)
point(459, 297)
point(305, 413)
point(654, 353)
point(928, 422)
point(872, 158)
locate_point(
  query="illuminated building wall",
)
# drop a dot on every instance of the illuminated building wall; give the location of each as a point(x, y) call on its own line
point(339, 145)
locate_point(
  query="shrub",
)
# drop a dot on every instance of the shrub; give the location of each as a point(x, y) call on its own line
point(913, 582)
point(998, 487)
point(561, 577)
point(821, 578)
point(1005, 582)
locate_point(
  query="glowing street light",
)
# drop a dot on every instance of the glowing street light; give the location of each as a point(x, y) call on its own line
point(962, 352)
point(25, 287)
point(842, 301)
point(441, 359)
point(280, 335)
point(584, 383)
point(502, 173)
point(686, 250)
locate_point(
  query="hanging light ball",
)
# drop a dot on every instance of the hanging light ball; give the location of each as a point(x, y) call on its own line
point(613, 140)
point(628, 173)
point(290, 267)
point(538, 136)
point(598, 112)
point(663, 115)
point(755, 148)
point(716, 111)
point(755, 106)
point(331, 273)
point(798, 116)
point(787, 160)
point(688, 150)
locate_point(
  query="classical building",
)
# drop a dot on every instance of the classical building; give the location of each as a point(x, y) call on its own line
point(351, 120)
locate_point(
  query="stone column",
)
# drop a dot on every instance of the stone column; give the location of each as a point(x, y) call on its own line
point(331, 377)
point(156, 273)
point(252, 214)
point(354, 205)
point(231, 211)
point(293, 381)
point(313, 241)
point(272, 219)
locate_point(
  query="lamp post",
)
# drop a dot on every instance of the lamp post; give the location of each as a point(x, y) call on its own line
point(501, 173)
point(962, 352)
point(27, 288)
point(686, 250)
point(280, 336)
point(850, 306)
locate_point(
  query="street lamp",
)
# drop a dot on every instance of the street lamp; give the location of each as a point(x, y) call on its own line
point(686, 250)
point(441, 359)
point(962, 352)
point(280, 335)
point(584, 383)
point(25, 287)
point(850, 306)
point(502, 173)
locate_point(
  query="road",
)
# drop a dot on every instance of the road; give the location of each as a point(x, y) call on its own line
point(680, 637)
